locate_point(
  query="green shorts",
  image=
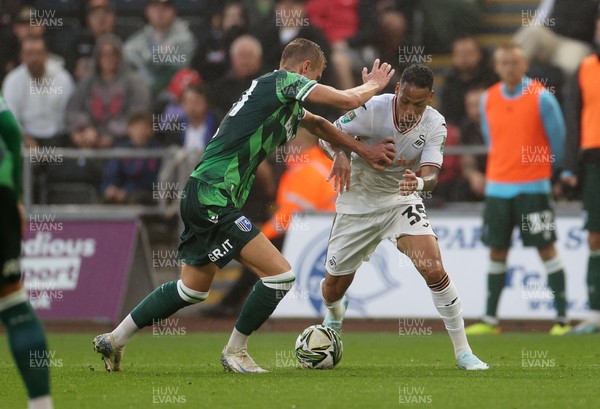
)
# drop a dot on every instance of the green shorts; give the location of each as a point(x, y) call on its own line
point(533, 214)
point(591, 197)
point(10, 237)
point(212, 234)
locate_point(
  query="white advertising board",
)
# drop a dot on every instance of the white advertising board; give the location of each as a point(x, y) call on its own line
point(388, 286)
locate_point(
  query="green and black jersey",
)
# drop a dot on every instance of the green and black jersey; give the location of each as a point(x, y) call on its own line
point(10, 150)
point(266, 116)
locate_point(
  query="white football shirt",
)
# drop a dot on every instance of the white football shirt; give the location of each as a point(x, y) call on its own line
point(421, 145)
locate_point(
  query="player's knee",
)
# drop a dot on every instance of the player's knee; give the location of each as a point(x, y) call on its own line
point(432, 271)
point(334, 289)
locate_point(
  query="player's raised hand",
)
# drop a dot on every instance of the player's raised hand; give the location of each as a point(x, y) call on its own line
point(381, 154)
point(408, 184)
point(380, 74)
point(340, 171)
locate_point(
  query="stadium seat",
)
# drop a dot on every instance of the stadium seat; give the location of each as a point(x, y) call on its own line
point(71, 193)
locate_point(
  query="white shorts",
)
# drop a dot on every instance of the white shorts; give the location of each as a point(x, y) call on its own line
point(354, 237)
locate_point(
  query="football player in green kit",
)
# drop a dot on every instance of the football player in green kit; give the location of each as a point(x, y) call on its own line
point(266, 116)
point(24, 330)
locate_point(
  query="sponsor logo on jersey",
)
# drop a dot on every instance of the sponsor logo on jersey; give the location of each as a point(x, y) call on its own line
point(243, 224)
point(348, 117)
point(419, 142)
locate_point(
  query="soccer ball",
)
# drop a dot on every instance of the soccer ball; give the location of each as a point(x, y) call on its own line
point(319, 347)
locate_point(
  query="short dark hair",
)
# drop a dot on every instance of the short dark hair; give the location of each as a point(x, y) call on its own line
point(140, 116)
point(418, 75)
point(300, 50)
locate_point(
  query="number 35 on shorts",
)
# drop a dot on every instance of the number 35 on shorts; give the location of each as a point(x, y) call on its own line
point(415, 214)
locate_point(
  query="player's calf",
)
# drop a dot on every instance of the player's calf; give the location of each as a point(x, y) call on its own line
point(26, 339)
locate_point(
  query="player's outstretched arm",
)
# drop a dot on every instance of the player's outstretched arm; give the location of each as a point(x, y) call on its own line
point(411, 182)
point(352, 98)
point(379, 156)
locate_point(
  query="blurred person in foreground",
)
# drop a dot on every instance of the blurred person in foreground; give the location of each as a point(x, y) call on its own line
point(583, 154)
point(24, 330)
point(524, 128)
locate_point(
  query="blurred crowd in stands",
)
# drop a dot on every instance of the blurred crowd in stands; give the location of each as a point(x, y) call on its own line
point(150, 74)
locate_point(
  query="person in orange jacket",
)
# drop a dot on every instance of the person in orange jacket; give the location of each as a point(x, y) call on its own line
point(303, 186)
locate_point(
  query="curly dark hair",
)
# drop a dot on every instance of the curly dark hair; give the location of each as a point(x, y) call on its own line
point(418, 75)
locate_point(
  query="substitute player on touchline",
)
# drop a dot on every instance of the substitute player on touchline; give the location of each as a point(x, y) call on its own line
point(386, 204)
point(267, 115)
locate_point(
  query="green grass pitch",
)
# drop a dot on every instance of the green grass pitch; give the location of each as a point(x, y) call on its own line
point(378, 370)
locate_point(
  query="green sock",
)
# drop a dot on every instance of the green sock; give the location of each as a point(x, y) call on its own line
point(159, 304)
point(556, 282)
point(593, 280)
point(258, 307)
point(496, 283)
point(28, 345)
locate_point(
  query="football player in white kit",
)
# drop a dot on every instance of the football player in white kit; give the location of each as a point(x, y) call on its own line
point(379, 205)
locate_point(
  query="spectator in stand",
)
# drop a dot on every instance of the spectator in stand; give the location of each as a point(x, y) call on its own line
point(200, 122)
point(162, 47)
point(110, 95)
point(339, 20)
point(470, 68)
point(211, 58)
point(291, 23)
point(81, 170)
point(260, 14)
point(246, 64)
point(100, 20)
point(559, 33)
point(473, 166)
point(390, 36)
point(37, 92)
point(11, 41)
point(450, 186)
point(170, 126)
point(132, 180)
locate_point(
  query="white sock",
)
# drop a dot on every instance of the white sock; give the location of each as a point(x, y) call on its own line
point(41, 402)
point(336, 308)
point(283, 282)
point(237, 341)
point(449, 306)
point(124, 331)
